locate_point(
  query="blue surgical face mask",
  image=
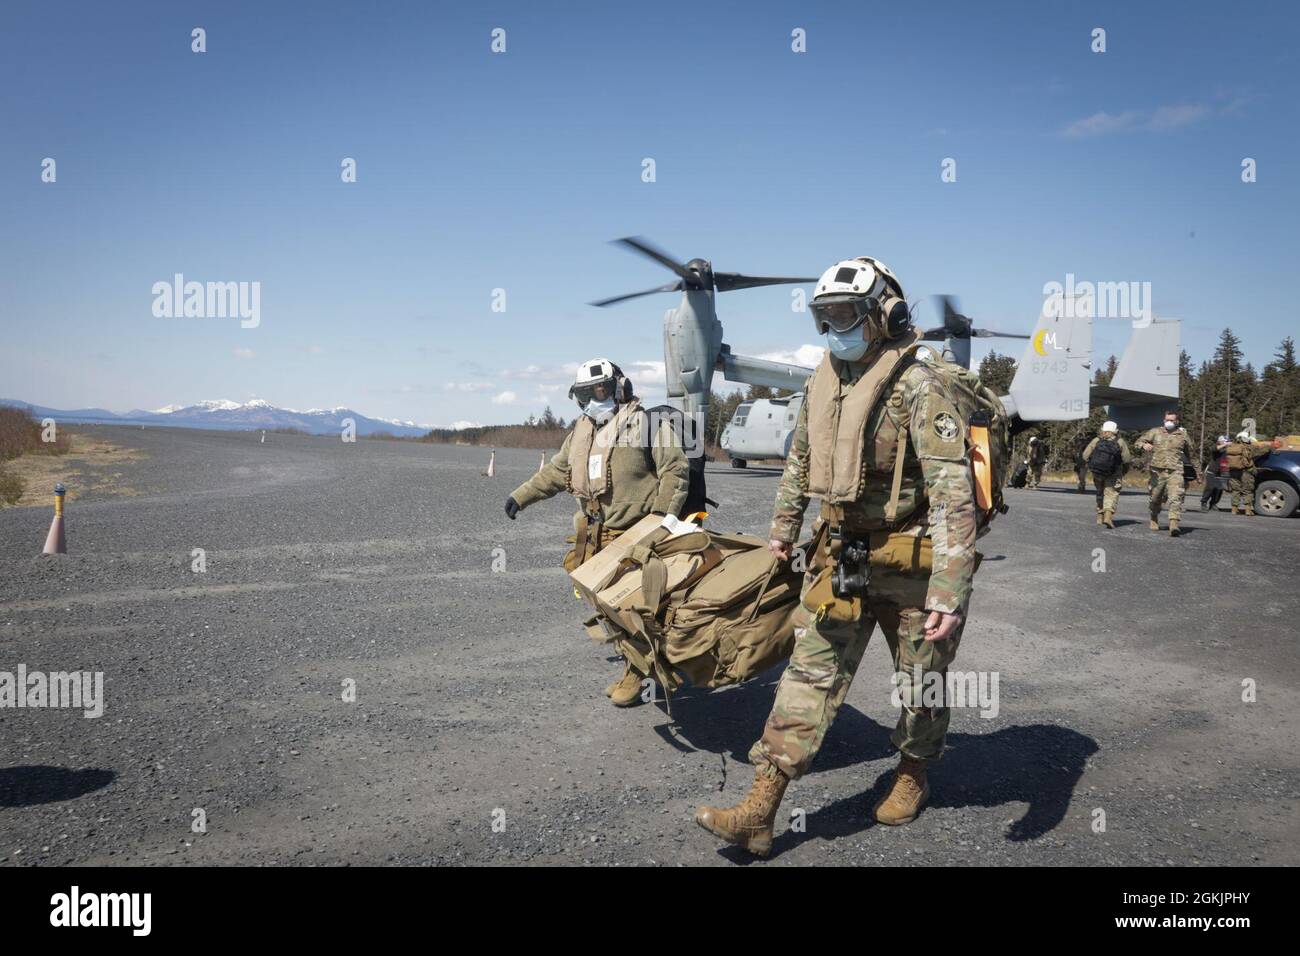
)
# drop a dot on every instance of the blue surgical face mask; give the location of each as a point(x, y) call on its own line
point(1170, 426)
point(599, 411)
point(847, 346)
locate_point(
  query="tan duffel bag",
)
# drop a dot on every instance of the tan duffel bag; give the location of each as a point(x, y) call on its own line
point(726, 623)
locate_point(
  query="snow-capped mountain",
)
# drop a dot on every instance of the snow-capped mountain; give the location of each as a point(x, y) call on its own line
point(223, 413)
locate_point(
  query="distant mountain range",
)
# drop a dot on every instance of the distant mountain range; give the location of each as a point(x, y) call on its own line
point(232, 415)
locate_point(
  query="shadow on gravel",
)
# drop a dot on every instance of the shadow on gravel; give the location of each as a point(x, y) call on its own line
point(30, 786)
point(1038, 764)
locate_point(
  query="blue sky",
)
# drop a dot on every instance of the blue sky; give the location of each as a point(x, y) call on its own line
point(479, 171)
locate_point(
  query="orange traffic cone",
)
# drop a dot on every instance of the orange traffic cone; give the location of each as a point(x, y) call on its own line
point(492, 465)
point(55, 542)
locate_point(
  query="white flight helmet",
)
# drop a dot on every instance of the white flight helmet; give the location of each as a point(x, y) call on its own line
point(859, 292)
point(1243, 436)
point(1109, 427)
point(599, 371)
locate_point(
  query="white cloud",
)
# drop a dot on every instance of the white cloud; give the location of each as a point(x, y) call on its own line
point(646, 373)
point(244, 353)
point(1099, 124)
point(468, 386)
point(809, 356)
point(1176, 117)
point(1163, 119)
point(505, 398)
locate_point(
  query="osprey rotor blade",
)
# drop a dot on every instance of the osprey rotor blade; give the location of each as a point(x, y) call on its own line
point(670, 287)
point(990, 334)
point(643, 246)
point(727, 281)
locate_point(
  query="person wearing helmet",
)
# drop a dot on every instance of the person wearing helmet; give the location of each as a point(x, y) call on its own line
point(618, 471)
point(1108, 457)
point(1170, 448)
point(1241, 455)
point(880, 441)
point(1037, 458)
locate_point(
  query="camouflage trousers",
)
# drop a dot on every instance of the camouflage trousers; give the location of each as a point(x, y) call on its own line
point(1166, 483)
point(1035, 475)
point(1081, 473)
point(1108, 488)
point(1241, 485)
point(825, 659)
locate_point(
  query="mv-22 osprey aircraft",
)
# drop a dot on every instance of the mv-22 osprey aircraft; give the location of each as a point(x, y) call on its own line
point(1052, 380)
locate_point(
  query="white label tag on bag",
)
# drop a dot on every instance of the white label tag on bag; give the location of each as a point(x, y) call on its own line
point(677, 526)
point(595, 466)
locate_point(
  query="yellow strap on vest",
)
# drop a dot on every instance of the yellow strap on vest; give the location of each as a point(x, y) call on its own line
point(891, 509)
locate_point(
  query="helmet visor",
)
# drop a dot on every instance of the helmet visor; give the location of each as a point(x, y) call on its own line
point(585, 392)
point(841, 313)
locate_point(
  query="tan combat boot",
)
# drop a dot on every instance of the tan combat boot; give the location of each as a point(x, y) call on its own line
point(1100, 519)
point(906, 796)
point(749, 823)
point(625, 691)
point(1173, 527)
point(1250, 512)
point(1108, 519)
point(1154, 525)
point(1234, 509)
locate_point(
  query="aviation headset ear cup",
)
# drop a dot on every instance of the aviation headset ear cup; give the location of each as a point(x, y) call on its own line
point(895, 317)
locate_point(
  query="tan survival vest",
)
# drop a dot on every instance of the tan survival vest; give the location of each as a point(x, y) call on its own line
point(590, 476)
point(837, 428)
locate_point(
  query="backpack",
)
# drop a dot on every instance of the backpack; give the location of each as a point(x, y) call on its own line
point(728, 620)
point(1237, 455)
point(1020, 476)
point(982, 409)
point(684, 427)
point(1106, 458)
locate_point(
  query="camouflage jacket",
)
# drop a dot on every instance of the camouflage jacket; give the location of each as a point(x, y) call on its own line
point(936, 491)
point(1248, 452)
point(1170, 448)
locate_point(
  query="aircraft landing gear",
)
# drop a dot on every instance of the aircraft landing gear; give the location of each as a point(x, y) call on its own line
point(739, 463)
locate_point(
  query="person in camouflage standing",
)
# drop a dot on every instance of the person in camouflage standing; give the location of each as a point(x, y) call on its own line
point(1037, 456)
point(1108, 470)
point(1170, 448)
point(1241, 455)
point(880, 440)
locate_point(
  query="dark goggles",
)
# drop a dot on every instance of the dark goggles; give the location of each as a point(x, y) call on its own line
point(842, 313)
point(582, 394)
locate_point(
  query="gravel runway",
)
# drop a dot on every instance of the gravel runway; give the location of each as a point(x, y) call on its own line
point(478, 698)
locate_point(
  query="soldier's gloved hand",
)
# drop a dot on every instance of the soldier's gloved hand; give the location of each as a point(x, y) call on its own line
point(940, 625)
point(781, 549)
point(512, 508)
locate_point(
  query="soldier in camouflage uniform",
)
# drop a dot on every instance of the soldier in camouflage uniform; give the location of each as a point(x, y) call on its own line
point(1037, 458)
point(853, 452)
point(1241, 455)
point(1170, 448)
point(1111, 483)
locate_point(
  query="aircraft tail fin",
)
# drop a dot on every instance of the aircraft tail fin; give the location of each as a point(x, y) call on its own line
point(1051, 381)
point(1145, 384)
